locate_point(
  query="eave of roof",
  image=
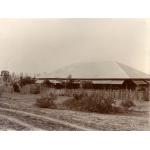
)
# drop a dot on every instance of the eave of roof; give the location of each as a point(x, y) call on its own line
point(108, 82)
point(139, 82)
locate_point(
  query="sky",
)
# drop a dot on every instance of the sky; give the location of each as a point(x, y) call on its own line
point(43, 45)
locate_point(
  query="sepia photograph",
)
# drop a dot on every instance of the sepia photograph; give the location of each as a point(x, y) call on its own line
point(74, 74)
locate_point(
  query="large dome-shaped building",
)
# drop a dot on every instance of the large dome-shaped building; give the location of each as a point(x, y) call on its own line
point(98, 70)
point(101, 75)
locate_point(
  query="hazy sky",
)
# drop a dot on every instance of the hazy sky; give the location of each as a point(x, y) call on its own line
point(43, 45)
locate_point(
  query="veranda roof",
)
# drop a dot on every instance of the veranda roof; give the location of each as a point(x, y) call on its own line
point(108, 82)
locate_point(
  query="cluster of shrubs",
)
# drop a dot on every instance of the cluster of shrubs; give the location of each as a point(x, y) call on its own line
point(46, 101)
point(23, 82)
point(96, 103)
point(91, 103)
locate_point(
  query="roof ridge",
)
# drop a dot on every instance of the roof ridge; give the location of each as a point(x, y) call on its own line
point(130, 68)
point(119, 64)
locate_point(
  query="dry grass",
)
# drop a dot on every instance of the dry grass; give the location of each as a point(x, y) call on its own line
point(1, 90)
point(127, 103)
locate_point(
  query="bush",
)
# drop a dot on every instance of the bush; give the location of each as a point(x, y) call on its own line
point(52, 95)
point(46, 102)
point(127, 103)
point(92, 103)
point(79, 96)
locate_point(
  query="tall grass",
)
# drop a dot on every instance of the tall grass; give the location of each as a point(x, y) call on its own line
point(127, 103)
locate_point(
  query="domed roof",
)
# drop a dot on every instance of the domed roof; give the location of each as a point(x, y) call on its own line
point(97, 70)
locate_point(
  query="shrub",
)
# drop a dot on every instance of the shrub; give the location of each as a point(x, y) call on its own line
point(46, 102)
point(78, 96)
point(127, 103)
point(91, 103)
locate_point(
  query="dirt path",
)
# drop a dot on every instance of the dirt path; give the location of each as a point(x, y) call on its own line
point(11, 114)
point(77, 120)
point(19, 122)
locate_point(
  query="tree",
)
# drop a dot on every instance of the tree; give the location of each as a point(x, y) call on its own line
point(5, 75)
point(26, 80)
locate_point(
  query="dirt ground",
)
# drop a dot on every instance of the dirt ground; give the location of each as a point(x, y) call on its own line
point(18, 112)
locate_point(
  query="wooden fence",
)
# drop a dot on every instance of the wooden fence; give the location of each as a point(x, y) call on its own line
point(122, 94)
